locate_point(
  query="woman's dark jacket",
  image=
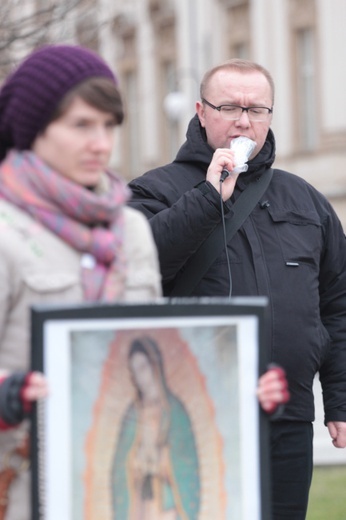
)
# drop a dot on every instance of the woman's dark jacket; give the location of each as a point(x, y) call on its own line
point(291, 249)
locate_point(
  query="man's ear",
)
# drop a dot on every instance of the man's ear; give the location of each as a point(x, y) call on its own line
point(200, 112)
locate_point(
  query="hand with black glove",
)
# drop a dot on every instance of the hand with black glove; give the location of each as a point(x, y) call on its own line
point(17, 392)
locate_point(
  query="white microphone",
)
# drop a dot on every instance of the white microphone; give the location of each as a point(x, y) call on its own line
point(242, 147)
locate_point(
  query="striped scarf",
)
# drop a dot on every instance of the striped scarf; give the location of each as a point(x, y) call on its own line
point(90, 222)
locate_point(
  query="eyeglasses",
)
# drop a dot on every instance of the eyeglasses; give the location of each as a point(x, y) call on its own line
point(234, 112)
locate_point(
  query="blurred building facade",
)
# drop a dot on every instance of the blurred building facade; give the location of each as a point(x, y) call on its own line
point(161, 48)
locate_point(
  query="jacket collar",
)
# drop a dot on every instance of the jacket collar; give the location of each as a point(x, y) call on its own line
point(197, 150)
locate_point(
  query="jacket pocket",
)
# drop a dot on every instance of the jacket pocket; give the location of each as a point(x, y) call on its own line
point(299, 234)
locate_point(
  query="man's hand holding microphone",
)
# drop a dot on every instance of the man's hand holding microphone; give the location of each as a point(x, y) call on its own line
point(228, 163)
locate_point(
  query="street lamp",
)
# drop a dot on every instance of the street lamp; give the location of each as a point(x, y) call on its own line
point(175, 105)
point(180, 100)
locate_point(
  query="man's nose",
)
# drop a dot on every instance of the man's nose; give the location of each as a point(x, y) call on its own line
point(244, 119)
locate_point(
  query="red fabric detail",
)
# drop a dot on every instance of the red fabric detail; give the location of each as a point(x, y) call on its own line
point(27, 405)
point(4, 426)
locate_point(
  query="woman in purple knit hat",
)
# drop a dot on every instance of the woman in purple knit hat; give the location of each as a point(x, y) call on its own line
point(66, 232)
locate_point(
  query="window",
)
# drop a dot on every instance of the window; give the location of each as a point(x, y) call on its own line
point(171, 124)
point(241, 50)
point(306, 89)
point(239, 34)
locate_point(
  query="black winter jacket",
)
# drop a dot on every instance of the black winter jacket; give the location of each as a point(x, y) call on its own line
point(291, 249)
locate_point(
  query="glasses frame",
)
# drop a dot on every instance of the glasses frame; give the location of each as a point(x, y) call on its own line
point(243, 109)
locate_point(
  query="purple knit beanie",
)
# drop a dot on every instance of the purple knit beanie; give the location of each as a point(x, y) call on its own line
point(33, 91)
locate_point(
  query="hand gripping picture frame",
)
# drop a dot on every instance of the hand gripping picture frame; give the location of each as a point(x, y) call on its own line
point(152, 411)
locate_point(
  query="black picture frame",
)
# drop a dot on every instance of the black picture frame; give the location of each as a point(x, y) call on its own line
point(78, 467)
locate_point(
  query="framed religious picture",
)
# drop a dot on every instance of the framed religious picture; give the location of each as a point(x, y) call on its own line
point(152, 412)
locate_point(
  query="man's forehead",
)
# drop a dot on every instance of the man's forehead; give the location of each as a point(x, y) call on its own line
point(232, 81)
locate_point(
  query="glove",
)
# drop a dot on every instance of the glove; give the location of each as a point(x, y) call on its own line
point(13, 407)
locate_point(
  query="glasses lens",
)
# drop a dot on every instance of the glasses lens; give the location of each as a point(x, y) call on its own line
point(258, 114)
point(234, 112)
point(231, 112)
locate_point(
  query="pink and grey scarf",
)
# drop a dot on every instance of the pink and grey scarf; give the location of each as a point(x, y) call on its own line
point(92, 223)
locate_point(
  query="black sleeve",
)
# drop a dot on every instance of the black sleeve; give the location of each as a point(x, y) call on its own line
point(11, 404)
point(333, 315)
point(179, 227)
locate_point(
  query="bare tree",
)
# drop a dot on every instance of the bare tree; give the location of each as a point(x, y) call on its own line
point(25, 25)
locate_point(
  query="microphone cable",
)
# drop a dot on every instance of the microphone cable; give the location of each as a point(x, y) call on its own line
point(224, 175)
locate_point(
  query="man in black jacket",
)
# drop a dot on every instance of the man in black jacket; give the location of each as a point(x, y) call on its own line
point(291, 249)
